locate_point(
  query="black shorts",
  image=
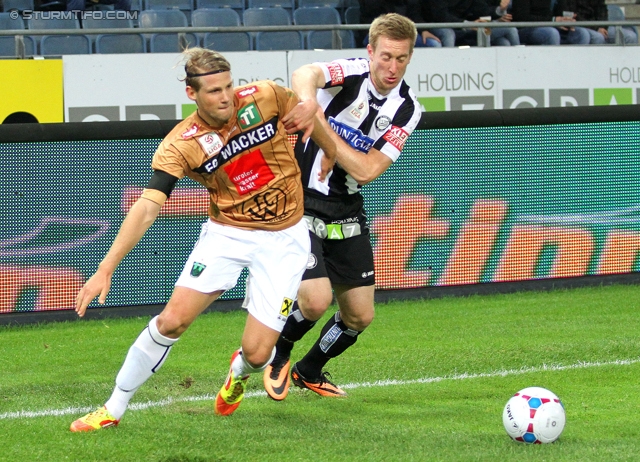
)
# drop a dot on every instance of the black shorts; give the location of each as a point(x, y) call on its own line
point(345, 259)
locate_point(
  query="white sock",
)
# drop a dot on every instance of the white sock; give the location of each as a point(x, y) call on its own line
point(241, 367)
point(144, 358)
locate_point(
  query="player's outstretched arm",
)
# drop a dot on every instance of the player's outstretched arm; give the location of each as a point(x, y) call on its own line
point(140, 217)
point(305, 82)
point(324, 140)
point(364, 168)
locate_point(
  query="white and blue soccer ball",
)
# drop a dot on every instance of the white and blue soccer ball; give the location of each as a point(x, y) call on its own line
point(534, 415)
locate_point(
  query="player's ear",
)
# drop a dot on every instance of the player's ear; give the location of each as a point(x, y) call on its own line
point(191, 93)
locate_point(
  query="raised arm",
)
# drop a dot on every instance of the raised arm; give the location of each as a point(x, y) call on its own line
point(140, 217)
point(305, 82)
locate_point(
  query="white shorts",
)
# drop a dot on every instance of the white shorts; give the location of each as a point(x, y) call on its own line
point(276, 261)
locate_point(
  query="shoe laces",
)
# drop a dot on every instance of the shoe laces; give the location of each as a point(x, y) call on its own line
point(325, 377)
point(276, 366)
point(238, 389)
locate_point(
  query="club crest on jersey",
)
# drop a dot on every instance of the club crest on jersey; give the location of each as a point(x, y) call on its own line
point(357, 111)
point(211, 143)
point(249, 116)
point(396, 136)
point(197, 269)
point(247, 91)
point(354, 137)
point(189, 133)
point(383, 122)
point(336, 73)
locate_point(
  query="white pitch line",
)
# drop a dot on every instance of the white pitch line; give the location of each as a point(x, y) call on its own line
point(378, 383)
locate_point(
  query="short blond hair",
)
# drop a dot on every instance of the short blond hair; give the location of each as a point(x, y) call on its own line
point(393, 26)
point(202, 61)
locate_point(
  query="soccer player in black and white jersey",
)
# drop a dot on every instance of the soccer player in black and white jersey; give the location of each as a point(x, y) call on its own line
point(369, 111)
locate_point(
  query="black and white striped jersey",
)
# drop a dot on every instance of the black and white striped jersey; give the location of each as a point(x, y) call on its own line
point(362, 117)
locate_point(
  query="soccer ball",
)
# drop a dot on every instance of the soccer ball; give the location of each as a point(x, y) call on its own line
point(534, 415)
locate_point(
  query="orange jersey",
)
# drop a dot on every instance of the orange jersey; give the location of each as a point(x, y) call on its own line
point(248, 166)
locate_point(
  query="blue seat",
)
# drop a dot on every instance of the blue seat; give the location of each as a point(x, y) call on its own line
point(272, 16)
point(286, 40)
point(311, 3)
point(8, 43)
point(221, 41)
point(20, 5)
point(616, 13)
point(324, 39)
point(288, 4)
point(307, 16)
point(166, 42)
point(237, 5)
point(8, 46)
point(120, 43)
point(53, 23)
point(186, 6)
point(352, 15)
point(58, 45)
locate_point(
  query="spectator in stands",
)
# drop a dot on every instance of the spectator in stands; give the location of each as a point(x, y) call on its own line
point(596, 10)
point(124, 5)
point(544, 10)
point(474, 11)
point(412, 9)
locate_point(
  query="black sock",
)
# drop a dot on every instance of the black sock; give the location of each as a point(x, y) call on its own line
point(294, 329)
point(334, 339)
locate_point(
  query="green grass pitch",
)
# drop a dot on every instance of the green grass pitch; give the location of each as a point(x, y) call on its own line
point(427, 382)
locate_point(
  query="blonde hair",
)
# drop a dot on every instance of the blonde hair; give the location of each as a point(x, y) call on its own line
point(393, 26)
point(201, 61)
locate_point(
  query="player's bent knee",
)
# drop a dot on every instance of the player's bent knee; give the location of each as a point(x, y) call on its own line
point(171, 325)
point(359, 323)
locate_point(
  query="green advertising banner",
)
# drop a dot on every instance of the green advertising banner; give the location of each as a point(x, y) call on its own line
point(460, 206)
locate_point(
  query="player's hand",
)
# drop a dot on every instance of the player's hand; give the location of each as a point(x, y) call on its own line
point(326, 166)
point(98, 284)
point(301, 118)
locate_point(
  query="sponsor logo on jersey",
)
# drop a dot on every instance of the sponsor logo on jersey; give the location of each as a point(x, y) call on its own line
point(396, 136)
point(249, 173)
point(211, 143)
point(354, 137)
point(240, 143)
point(249, 116)
point(336, 73)
point(383, 122)
point(192, 131)
point(285, 309)
point(357, 111)
point(247, 91)
point(197, 269)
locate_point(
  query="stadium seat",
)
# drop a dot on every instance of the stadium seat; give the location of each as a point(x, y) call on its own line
point(266, 17)
point(289, 5)
point(287, 40)
point(58, 45)
point(166, 42)
point(8, 43)
point(337, 4)
point(20, 5)
point(186, 6)
point(616, 13)
point(352, 15)
point(221, 41)
point(8, 46)
point(120, 43)
point(236, 5)
point(306, 16)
